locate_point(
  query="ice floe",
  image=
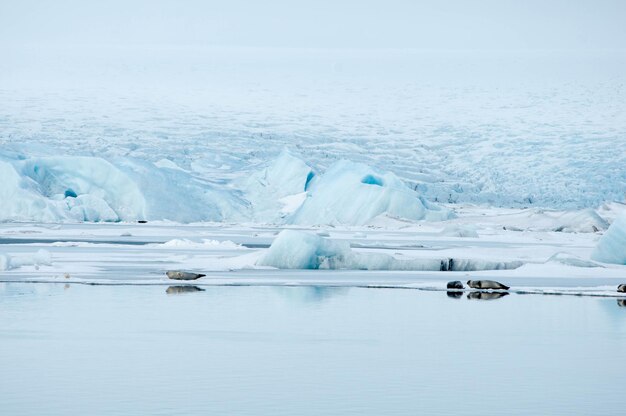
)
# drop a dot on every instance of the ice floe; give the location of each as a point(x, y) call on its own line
point(301, 250)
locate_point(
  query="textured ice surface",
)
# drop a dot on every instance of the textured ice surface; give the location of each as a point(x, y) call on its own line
point(516, 129)
point(612, 245)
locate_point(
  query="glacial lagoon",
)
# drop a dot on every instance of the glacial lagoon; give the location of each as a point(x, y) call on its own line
point(275, 350)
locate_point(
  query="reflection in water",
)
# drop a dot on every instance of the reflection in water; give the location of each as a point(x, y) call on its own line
point(454, 294)
point(486, 295)
point(175, 290)
point(243, 350)
point(621, 303)
point(311, 294)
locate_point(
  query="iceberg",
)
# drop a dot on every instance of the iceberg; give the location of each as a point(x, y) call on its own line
point(21, 200)
point(279, 189)
point(353, 194)
point(111, 195)
point(82, 188)
point(300, 250)
point(174, 194)
point(612, 246)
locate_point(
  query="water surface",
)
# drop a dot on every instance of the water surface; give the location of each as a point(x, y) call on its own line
point(137, 350)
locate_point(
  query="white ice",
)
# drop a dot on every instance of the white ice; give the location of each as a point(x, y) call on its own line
point(612, 245)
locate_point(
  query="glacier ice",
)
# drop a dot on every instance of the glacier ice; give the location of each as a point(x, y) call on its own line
point(109, 189)
point(287, 190)
point(177, 195)
point(40, 257)
point(301, 250)
point(612, 246)
point(353, 193)
point(81, 188)
point(278, 189)
point(21, 200)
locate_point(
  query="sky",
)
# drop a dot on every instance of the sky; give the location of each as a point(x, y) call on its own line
point(430, 24)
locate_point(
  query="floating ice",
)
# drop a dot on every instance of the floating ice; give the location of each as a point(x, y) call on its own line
point(352, 194)
point(612, 245)
point(300, 250)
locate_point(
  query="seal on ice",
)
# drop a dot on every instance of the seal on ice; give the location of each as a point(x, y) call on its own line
point(486, 284)
point(180, 275)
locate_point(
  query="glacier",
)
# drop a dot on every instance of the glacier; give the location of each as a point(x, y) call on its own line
point(523, 129)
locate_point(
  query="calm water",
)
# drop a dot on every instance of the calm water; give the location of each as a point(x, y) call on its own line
point(124, 350)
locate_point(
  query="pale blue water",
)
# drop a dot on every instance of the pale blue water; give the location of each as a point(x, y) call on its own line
point(137, 350)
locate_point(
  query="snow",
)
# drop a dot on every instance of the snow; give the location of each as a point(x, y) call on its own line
point(456, 230)
point(206, 243)
point(612, 245)
point(351, 193)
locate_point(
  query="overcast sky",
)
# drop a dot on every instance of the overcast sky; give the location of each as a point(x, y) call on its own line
point(431, 24)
